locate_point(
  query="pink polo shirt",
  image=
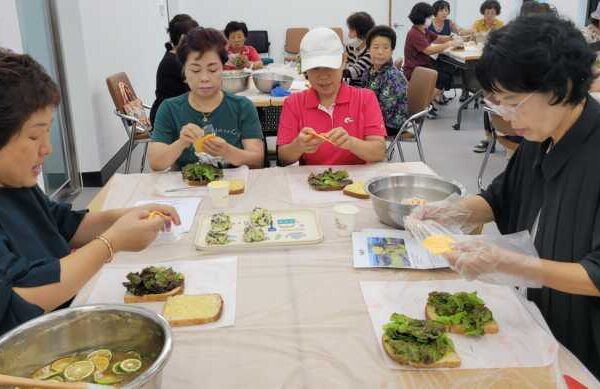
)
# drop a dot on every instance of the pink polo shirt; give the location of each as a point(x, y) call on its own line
point(355, 109)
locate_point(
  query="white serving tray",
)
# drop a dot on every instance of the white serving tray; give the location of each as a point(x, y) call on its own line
point(290, 227)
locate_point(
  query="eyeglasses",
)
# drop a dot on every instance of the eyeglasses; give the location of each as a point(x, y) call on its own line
point(507, 113)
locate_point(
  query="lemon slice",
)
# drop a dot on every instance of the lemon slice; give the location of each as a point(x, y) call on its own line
point(79, 371)
point(44, 373)
point(101, 363)
point(103, 352)
point(56, 379)
point(116, 368)
point(131, 365)
point(61, 364)
point(438, 244)
point(106, 378)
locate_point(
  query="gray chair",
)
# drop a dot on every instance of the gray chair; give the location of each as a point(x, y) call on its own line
point(421, 88)
point(137, 132)
point(499, 129)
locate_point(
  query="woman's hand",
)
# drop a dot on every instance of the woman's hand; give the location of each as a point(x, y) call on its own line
point(190, 133)
point(449, 212)
point(340, 137)
point(135, 230)
point(307, 142)
point(217, 147)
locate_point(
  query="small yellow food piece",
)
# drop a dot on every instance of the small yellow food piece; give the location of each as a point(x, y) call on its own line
point(413, 201)
point(154, 214)
point(199, 144)
point(438, 244)
point(236, 186)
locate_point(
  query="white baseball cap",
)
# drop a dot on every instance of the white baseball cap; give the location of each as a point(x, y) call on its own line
point(321, 47)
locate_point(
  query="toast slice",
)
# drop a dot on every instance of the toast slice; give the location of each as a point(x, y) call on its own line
point(356, 190)
point(329, 189)
point(488, 328)
point(189, 310)
point(196, 182)
point(450, 360)
point(147, 298)
point(236, 187)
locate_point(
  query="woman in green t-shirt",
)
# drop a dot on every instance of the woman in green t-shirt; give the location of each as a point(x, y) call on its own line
point(180, 121)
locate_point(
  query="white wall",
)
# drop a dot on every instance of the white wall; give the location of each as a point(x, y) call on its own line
point(100, 38)
point(276, 16)
point(10, 36)
point(573, 9)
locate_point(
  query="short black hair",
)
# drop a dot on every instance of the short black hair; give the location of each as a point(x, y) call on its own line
point(534, 8)
point(440, 5)
point(26, 88)
point(490, 4)
point(361, 22)
point(202, 40)
point(178, 26)
point(419, 13)
point(236, 26)
point(541, 53)
point(382, 31)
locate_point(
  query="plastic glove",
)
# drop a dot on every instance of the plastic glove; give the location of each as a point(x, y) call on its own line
point(448, 216)
point(480, 258)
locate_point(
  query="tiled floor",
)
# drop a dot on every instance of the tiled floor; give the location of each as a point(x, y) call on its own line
point(447, 151)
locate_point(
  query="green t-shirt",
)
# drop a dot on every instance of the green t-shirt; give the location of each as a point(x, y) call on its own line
point(234, 120)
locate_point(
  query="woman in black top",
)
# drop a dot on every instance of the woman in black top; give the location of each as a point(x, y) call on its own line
point(539, 69)
point(169, 76)
point(47, 251)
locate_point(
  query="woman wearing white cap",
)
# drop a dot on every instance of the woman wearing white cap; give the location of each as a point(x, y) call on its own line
point(348, 118)
point(591, 32)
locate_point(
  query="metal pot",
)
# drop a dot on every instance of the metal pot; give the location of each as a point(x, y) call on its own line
point(72, 330)
point(265, 82)
point(235, 81)
point(387, 192)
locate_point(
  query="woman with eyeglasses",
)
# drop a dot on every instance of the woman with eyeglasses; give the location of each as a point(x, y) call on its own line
point(539, 70)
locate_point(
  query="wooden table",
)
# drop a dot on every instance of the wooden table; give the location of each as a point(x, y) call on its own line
point(301, 321)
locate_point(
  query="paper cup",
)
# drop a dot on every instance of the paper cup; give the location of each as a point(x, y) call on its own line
point(345, 218)
point(218, 191)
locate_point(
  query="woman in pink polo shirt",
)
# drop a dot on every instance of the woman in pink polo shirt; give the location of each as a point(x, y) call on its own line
point(350, 118)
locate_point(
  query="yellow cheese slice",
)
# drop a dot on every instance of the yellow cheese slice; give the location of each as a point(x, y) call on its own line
point(438, 244)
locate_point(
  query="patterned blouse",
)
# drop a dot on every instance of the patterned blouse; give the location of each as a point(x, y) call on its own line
point(390, 86)
point(591, 34)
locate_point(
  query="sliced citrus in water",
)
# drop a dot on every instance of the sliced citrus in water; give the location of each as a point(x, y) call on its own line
point(131, 365)
point(44, 373)
point(101, 363)
point(62, 363)
point(107, 378)
point(56, 379)
point(116, 368)
point(103, 352)
point(133, 354)
point(79, 371)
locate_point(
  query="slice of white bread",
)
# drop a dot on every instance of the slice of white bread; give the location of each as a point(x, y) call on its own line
point(147, 298)
point(489, 328)
point(451, 359)
point(356, 190)
point(236, 187)
point(189, 310)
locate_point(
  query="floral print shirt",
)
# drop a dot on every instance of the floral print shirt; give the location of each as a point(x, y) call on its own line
point(390, 86)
